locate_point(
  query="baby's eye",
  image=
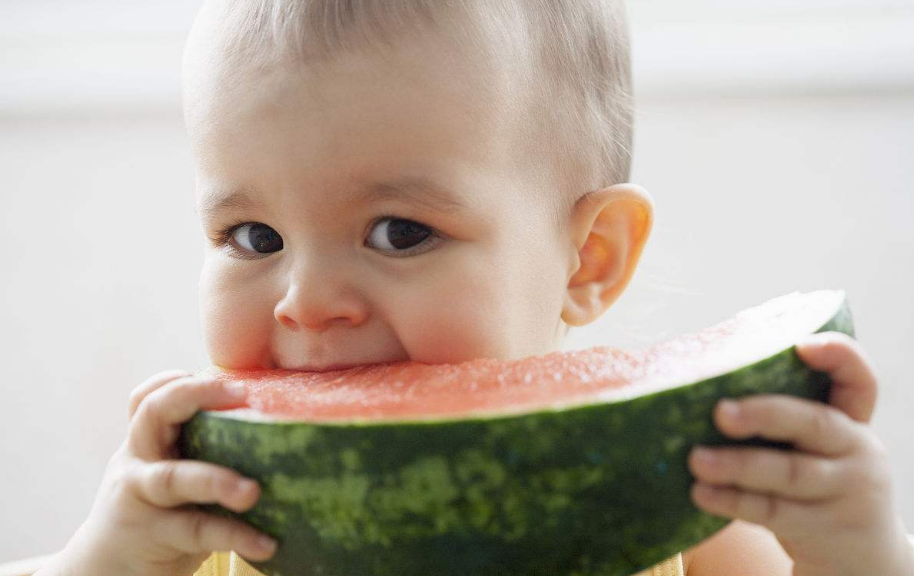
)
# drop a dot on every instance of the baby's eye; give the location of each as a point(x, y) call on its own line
point(398, 234)
point(257, 237)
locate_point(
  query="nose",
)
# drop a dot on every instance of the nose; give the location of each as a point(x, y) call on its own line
point(317, 302)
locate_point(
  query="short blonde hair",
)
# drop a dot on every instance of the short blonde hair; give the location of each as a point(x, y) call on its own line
point(578, 51)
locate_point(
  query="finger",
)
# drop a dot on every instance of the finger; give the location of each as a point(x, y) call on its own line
point(811, 426)
point(792, 474)
point(781, 515)
point(194, 531)
point(854, 383)
point(171, 483)
point(152, 383)
point(157, 423)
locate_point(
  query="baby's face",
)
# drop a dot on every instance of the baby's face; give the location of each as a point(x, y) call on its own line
point(374, 210)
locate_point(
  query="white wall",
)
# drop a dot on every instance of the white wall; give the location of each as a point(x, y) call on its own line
point(777, 142)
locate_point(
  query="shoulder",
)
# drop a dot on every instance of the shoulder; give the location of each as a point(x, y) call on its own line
point(740, 548)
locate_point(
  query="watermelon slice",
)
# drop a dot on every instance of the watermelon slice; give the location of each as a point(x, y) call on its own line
point(570, 463)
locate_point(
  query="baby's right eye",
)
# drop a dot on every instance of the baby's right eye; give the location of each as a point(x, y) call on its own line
point(255, 237)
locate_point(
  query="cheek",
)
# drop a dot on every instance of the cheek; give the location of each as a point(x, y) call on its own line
point(235, 331)
point(541, 284)
point(535, 287)
point(497, 302)
point(461, 323)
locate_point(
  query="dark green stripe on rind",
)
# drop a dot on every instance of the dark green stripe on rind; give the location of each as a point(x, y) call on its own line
point(596, 490)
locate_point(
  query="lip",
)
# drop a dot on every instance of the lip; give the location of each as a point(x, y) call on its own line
point(326, 368)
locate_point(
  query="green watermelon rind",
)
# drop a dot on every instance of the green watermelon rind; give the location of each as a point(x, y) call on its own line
point(595, 490)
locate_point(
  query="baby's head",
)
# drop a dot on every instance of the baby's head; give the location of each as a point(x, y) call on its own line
point(414, 179)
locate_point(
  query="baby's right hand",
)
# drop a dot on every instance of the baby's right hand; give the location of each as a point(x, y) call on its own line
point(144, 521)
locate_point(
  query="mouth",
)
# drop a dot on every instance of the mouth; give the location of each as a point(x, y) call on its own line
point(325, 368)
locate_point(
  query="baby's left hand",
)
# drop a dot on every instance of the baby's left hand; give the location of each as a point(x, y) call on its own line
point(829, 502)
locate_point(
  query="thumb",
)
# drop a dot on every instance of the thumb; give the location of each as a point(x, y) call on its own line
point(854, 384)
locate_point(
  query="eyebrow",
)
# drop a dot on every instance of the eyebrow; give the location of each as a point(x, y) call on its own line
point(213, 204)
point(416, 190)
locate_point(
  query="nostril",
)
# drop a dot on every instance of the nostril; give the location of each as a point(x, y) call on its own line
point(289, 323)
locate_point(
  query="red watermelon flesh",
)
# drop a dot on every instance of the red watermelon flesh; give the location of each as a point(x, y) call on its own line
point(486, 387)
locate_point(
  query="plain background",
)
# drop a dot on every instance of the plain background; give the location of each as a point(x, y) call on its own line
point(776, 138)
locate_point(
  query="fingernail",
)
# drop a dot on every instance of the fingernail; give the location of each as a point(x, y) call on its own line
point(236, 389)
point(729, 409)
point(245, 487)
point(705, 456)
point(266, 543)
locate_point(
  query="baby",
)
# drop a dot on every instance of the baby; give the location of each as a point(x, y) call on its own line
point(439, 181)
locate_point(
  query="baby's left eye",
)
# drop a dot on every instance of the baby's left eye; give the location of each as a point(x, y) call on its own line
point(397, 234)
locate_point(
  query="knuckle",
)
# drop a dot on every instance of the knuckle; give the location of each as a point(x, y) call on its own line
point(167, 476)
point(224, 385)
point(122, 482)
point(194, 381)
point(769, 509)
point(753, 410)
point(149, 408)
point(167, 376)
point(738, 465)
point(822, 422)
point(153, 382)
point(197, 529)
point(134, 397)
point(192, 386)
point(764, 411)
point(829, 475)
point(220, 484)
point(135, 402)
point(876, 470)
point(871, 442)
point(241, 535)
point(795, 472)
point(213, 533)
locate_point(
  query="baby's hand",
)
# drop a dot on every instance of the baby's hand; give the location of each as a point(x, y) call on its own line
point(144, 521)
point(830, 501)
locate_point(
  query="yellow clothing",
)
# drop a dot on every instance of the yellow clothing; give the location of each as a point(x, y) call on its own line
point(669, 567)
point(230, 564)
point(226, 564)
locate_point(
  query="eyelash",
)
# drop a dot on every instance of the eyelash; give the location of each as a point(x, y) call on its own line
point(223, 237)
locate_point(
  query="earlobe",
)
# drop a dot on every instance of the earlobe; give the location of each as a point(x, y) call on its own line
point(610, 228)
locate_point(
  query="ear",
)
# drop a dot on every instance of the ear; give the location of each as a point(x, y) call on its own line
point(609, 229)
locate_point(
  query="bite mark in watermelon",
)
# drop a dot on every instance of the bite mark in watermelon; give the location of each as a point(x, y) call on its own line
point(570, 463)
